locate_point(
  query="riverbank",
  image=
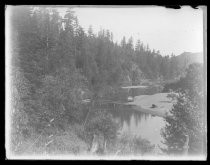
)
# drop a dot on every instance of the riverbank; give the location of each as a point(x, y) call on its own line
point(158, 104)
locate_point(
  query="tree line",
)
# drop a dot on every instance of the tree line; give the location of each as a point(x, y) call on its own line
point(55, 63)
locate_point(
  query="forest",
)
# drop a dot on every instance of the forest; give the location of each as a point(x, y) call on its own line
point(56, 66)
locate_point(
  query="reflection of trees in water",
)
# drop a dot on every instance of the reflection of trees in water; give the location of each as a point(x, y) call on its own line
point(121, 114)
point(124, 114)
point(146, 116)
point(138, 116)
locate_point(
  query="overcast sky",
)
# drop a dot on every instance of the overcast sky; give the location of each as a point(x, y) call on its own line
point(166, 30)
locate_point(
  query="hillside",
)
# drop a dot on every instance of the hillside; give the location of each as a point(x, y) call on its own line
point(188, 58)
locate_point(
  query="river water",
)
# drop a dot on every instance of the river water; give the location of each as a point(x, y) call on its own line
point(136, 123)
point(139, 124)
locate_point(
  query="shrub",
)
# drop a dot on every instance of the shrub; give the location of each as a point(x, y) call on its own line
point(128, 145)
point(100, 123)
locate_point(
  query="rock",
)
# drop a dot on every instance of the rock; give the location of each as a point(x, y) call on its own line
point(153, 106)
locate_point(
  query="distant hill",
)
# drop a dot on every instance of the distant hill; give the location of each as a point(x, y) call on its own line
point(188, 58)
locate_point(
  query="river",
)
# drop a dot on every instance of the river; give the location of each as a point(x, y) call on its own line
point(139, 124)
point(136, 123)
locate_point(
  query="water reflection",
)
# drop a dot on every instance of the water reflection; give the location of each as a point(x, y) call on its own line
point(139, 124)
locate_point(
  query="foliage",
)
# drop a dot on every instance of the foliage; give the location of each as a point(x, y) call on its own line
point(192, 81)
point(102, 123)
point(128, 145)
point(55, 62)
point(188, 115)
point(60, 98)
point(20, 99)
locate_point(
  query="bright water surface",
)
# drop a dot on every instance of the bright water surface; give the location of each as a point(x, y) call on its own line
point(139, 124)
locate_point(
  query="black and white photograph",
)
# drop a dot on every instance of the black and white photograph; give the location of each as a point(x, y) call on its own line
point(96, 82)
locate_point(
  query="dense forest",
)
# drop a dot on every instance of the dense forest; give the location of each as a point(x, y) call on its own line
point(56, 65)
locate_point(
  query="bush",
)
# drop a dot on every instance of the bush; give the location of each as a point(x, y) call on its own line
point(101, 124)
point(188, 119)
point(128, 145)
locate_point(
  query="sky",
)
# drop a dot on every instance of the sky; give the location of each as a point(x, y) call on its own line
point(166, 30)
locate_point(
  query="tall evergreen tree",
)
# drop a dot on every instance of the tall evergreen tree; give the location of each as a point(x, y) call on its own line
point(188, 117)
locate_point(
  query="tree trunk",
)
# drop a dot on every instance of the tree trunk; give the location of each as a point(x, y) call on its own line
point(186, 145)
point(95, 144)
